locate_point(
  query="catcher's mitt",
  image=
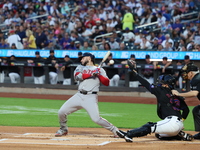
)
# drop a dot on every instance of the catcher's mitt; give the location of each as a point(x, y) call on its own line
point(131, 64)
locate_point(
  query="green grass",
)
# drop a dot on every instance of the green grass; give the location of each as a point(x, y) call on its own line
point(43, 113)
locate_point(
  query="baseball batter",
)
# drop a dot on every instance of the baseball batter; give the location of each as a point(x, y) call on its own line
point(171, 109)
point(90, 78)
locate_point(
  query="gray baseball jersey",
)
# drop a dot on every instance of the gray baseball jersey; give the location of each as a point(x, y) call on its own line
point(87, 101)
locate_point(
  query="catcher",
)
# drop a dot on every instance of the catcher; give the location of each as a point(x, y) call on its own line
point(169, 109)
point(191, 72)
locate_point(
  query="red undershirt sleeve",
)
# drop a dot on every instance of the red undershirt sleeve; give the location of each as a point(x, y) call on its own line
point(85, 76)
point(104, 80)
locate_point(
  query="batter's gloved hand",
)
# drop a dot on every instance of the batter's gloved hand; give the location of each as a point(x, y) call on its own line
point(96, 72)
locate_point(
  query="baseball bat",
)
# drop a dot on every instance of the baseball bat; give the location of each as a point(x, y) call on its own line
point(104, 59)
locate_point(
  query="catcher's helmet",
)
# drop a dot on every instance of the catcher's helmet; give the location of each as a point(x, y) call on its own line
point(167, 79)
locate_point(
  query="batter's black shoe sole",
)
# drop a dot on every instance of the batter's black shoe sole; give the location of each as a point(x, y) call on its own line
point(121, 134)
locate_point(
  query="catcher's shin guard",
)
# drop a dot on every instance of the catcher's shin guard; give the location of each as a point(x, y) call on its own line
point(185, 136)
point(142, 131)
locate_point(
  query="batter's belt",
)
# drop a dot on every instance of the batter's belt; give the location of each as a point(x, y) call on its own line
point(86, 92)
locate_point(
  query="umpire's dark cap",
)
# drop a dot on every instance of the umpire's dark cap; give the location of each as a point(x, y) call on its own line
point(89, 54)
point(187, 57)
point(147, 57)
point(37, 53)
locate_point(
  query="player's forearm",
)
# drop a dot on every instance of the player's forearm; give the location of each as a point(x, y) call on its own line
point(189, 94)
point(105, 81)
point(144, 82)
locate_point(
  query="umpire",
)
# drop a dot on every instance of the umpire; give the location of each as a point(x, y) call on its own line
point(191, 72)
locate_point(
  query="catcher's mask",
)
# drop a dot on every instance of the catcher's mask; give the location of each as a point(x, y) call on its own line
point(187, 68)
point(167, 79)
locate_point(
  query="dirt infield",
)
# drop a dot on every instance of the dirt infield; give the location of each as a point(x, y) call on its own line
point(42, 138)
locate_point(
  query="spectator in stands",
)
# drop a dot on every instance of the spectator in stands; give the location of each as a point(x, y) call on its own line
point(21, 33)
point(13, 46)
point(53, 61)
point(66, 70)
point(105, 45)
point(128, 36)
point(96, 33)
point(13, 71)
point(30, 39)
point(3, 44)
point(147, 72)
point(94, 47)
point(14, 38)
point(145, 44)
point(49, 46)
point(111, 71)
point(41, 39)
point(114, 44)
point(38, 70)
point(177, 25)
point(65, 41)
point(155, 44)
point(77, 45)
point(122, 46)
point(168, 47)
point(87, 32)
point(167, 39)
point(166, 28)
point(85, 46)
point(164, 64)
point(161, 19)
point(191, 46)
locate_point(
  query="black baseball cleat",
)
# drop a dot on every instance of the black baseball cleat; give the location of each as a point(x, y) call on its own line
point(197, 136)
point(128, 139)
point(121, 133)
point(185, 136)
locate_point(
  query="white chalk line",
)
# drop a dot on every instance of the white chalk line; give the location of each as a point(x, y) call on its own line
point(55, 139)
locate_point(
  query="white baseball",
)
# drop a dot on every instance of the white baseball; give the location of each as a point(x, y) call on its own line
point(111, 62)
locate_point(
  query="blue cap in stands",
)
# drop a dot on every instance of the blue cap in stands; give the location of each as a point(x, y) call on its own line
point(89, 54)
point(37, 53)
point(136, 31)
point(126, 28)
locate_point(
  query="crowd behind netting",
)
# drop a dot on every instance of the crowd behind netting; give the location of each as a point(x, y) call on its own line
point(157, 25)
